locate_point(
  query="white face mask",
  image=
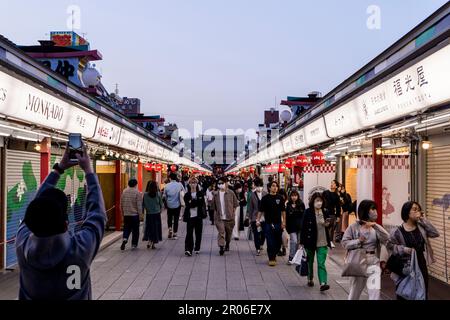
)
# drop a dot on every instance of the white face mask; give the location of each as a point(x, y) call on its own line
point(318, 204)
point(373, 216)
point(259, 189)
point(221, 186)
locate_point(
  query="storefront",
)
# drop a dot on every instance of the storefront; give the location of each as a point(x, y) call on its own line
point(437, 198)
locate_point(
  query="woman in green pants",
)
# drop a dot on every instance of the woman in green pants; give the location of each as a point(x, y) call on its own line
point(315, 238)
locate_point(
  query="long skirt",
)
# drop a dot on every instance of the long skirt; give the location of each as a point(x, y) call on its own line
point(153, 228)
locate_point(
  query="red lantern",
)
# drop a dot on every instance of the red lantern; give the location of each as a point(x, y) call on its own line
point(317, 158)
point(302, 161)
point(252, 169)
point(173, 168)
point(158, 167)
point(289, 163)
point(281, 168)
point(148, 166)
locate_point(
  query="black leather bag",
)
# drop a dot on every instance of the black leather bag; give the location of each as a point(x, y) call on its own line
point(395, 264)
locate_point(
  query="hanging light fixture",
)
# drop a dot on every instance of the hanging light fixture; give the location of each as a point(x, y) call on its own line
point(347, 157)
point(426, 144)
point(37, 147)
point(379, 151)
point(103, 157)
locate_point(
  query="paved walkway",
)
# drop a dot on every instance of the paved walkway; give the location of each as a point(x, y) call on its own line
point(165, 273)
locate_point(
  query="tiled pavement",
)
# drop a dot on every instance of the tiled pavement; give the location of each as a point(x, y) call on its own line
point(165, 273)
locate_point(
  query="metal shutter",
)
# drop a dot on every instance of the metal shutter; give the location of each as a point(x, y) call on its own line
point(73, 183)
point(22, 182)
point(438, 211)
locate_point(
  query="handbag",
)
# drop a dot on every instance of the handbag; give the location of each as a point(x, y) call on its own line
point(395, 264)
point(412, 287)
point(355, 264)
point(302, 268)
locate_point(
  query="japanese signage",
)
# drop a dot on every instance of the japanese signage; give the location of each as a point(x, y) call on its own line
point(25, 102)
point(420, 86)
point(342, 120)
point(315, 132)
point(128, 140)
point(67, 39)
point(107, 132)
point(68, 68)
point(298, 140)
point(287, 145)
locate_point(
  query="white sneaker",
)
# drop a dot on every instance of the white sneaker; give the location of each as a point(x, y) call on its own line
point(197, 252)
point(332, 245)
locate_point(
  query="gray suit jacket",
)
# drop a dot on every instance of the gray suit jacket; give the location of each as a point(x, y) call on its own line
point(254, 207)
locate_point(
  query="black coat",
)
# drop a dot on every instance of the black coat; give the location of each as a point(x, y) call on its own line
point(333, 202)
point(294, 217)
point(308, 235)
point(198, 203)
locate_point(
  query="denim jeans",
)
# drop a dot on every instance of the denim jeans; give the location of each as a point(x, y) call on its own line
point(258, 237)
point(274, 241)
point(294, 239)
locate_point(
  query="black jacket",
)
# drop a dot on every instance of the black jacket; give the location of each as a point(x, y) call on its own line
point(308, 235)
point(198, 203)
point(346, 202)
point(294, 217)
point(333, 202)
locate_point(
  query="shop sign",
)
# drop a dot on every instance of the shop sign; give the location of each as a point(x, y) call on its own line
point(298, 140)
point(342, 121)
point(128, 140)
point(420, 86)
point(107, 132)
point(315, 132)
point(287, 145)
point(25, 102)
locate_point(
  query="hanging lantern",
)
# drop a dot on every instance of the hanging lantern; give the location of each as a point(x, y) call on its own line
point(317, 158)
point(289, 163)
point(158, 167)
point(281, 168)
point(252, 169)
point(301, 161)
point(173, 168)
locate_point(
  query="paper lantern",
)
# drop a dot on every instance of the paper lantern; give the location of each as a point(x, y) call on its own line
point(289, 163)
point(301, 161)
point(317, 158)
point(173, 168)
point(158, 167)
point(252, 169)
point(281, 168)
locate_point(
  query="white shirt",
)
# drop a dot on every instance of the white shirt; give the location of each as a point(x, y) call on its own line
point(259, 194)
point(222, 205)
point(209, 195)
point(194, 211)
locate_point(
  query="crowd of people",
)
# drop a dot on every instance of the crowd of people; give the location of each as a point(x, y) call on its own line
point(275, 218)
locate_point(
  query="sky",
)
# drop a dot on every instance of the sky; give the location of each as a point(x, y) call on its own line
point(222, 62)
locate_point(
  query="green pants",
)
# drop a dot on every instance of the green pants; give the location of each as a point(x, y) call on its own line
point(321, 258)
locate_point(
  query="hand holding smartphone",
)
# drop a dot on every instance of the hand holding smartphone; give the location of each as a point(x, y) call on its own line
point(75, 147)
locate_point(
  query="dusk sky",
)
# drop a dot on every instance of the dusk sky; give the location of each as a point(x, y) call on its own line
point(223, 62)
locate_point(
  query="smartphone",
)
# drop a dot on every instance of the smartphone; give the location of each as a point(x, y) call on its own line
point(75, 146)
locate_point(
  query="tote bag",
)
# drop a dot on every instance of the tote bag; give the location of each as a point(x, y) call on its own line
point(412, 287)
point(355, 264)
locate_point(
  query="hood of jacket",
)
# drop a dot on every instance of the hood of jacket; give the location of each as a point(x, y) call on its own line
point(47, 252)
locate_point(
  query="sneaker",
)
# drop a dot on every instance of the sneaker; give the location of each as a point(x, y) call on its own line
point(170, 234)
point(324, 287)
point(236, 239)
point(310, 283)
point(197, 251)
point(122, 247)
point(258, 252)
point(133, 247)
point(332, 245)
point(221, 252)
point(150, 245)
point(153, 246)
point(187, 253)
point(272, 263)
point(289, 261)
point(175, 236)
point(227, 247)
